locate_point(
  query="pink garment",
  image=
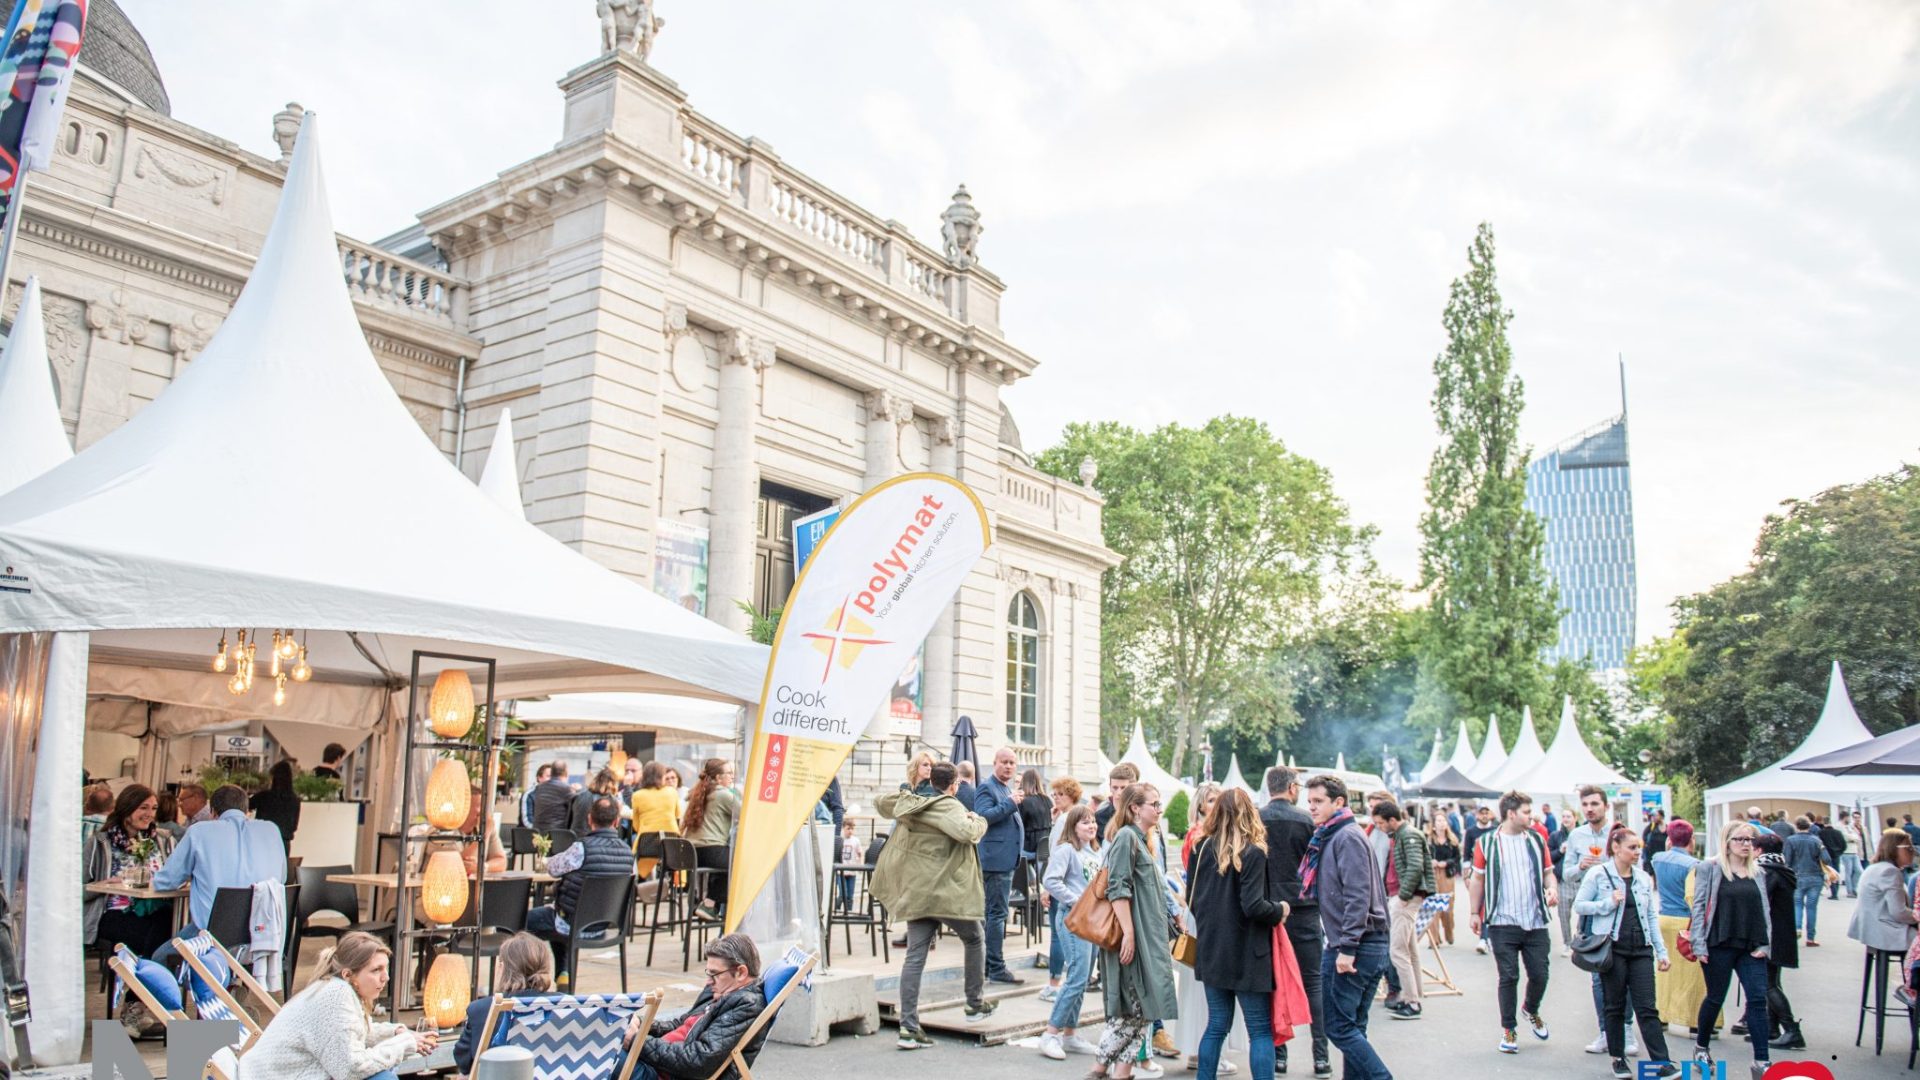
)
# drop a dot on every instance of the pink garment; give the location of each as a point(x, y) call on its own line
point(1290, 1008)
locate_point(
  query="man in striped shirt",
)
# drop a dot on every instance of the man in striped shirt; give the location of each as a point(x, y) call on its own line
point(1511, 889)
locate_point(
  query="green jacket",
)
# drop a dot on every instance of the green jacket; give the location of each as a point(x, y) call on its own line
point(930, 868)
point(1412, 862)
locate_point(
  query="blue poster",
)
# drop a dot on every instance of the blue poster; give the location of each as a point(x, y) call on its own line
point(807, 533)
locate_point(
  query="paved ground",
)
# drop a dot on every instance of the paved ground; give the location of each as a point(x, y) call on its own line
point(1457, 1037)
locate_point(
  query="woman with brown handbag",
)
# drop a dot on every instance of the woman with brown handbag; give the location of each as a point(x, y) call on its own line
point(1234, 920)
point(1138, 975)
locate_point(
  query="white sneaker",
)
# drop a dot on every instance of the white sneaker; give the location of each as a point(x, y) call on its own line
point(1480, 947)
point(1050, 993)
point(1148, 1070)
point(1074, 1044)
point(1598, 1045)
point(1633, 1046)
point(1050, 1047)
point(1227, 1068)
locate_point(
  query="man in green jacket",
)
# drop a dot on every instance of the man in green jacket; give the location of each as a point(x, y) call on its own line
point(1409, 883)
point(928, 875)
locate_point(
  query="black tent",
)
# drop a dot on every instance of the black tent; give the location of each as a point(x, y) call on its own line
point(1451, 784)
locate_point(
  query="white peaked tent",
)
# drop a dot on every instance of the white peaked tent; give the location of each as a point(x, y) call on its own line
point(1567, 764)
point(1492, 754)
point(1234, 778)
point(1526, 754)
point(1340, 762)
point(1839, 727)
point(1435, 763)
point(1462, 758)
point(32, 439)
point(500, 476)
point(1141, 758)
point(279, 482)
point(1106, 764)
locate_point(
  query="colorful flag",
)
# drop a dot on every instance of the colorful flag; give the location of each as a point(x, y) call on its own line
point(865, 599)
point(42, 46)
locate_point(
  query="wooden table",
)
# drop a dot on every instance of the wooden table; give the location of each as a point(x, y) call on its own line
point(145, 892)
point(386, 880)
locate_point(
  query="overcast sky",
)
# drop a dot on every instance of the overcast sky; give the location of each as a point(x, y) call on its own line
point(1257, 207)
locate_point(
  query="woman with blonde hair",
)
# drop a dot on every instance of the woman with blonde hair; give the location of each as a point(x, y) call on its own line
point(1234, 915)
point(1446, 866)
point(1138, 976)
point(525, 970)
point(327, 1032)
point(1730, 933)
point(918, 770)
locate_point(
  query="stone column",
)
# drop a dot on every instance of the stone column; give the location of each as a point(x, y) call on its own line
point(736, 478)
point(936, 720)
point(885, 414)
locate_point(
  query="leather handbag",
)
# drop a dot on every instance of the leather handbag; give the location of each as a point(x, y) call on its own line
point(1592, 952)
point(1093, 918)
point(1684, 945)
point(1186, 948)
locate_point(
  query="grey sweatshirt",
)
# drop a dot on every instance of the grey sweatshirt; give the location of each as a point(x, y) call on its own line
point(1353, 899)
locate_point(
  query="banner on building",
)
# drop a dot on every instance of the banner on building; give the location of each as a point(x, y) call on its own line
point(680, 564)
point(808, 532)
point(36, 67)
point(863, 601)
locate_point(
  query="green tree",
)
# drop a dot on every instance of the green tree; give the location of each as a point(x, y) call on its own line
point(1493, 607)
point(1227, 537)
point(1833, 578)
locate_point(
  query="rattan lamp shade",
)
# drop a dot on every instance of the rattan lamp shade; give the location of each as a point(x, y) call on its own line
point(443, 889)
point(450, 706)
point(447, 995)
point(449, 794)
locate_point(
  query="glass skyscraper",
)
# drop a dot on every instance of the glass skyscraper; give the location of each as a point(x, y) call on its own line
point(1583, 493)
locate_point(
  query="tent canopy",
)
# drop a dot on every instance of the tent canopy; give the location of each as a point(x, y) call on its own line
point(1141, 758)
point(1492, 754)
point(500, 476)
point(1897, 753)
point(1568, 763)
point(1462, 758)
point(1234, 778)
point(1527, 753)
point(280, 482)
point(674, 719)
point(1435, 763)
point(1448, 783)
point(1838, 728)
point(32, 439)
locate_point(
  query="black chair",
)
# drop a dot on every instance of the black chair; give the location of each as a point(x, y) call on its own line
point(677, 859)
point(559, 840)
point(599, 920)
point(230, 920)
point(317, 895)
point(290, 945)
point(864, 911)
point(503, 913)
point(1874, 978)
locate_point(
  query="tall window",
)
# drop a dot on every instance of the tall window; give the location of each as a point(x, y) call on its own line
point(1023, 671)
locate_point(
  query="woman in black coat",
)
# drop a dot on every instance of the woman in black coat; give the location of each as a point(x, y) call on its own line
point(279, 803)
point(1036, 816)
point(1786, 946)
point(1233, 921)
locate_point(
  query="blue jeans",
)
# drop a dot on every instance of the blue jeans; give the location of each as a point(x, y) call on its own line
point(846, 892)
point(1806, 905)
point(1850, 873)
point(385, 1074)
point(1722, 965)
point(1259, 1012)
point(998, 884)
point(1348, 997)
point(542, 922)
point(1073, 983)
point(1056, 941)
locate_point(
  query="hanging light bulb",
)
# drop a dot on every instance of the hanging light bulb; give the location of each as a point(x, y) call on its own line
point(283, 644)
point(301, 672)
point(280, 689)
point(220, 654)
point(273, 663)
point(450, 706)
point(236, 685)
point(250, 667)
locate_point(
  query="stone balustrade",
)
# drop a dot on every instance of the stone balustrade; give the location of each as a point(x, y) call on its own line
point(1039, 499)
point(704, 152)
point(383, 279)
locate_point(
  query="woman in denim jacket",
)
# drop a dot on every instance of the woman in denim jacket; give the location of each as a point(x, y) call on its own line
point(1617, 899)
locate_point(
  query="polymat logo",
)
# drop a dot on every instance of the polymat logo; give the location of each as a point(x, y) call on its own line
point(843, 639)
point(1779, 1070)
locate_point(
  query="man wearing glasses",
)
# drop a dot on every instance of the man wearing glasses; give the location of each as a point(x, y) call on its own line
point(695, 1043)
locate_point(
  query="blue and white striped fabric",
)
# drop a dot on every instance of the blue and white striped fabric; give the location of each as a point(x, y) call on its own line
point(571, 1038)
point(1431, 906)
point(206, 1004)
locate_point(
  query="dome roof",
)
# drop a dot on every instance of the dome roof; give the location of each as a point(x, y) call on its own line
point(1010, 431)
point(114, 52)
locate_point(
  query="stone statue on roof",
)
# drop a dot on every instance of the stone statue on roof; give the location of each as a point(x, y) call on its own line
point(628, 26)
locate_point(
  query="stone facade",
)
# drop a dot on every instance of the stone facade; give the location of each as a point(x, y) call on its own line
point(687, 330)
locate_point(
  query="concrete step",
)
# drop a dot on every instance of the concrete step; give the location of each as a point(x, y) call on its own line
point(1021, 1012)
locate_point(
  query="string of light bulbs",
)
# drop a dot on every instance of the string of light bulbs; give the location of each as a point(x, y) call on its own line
point(241, 660)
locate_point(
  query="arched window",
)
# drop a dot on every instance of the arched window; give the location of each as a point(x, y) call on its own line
point(1023, 671)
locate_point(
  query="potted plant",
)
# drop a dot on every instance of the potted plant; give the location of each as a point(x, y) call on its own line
point(542, 843)
point(313, 788)
point(140, 873)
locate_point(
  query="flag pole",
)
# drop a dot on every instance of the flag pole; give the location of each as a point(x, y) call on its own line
point(16, 209)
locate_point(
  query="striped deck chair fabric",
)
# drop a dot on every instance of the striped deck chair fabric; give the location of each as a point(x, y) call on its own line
point(207, 1005)
point(1431, 906)
point(571, 1038)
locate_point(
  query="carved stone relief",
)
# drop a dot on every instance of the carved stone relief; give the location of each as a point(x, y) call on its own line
point(65, 320)
point(165, 168)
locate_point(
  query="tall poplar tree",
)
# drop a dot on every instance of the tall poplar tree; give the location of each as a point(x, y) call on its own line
point(1494, 609)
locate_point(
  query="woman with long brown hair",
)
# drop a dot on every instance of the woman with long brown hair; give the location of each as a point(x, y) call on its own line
point(525, 970)
point(1138, 976)
point(711, 808)
point(1234, 916)
point(141, 925)
point(605, 783)
point(1446, 866)
point(327, 1031)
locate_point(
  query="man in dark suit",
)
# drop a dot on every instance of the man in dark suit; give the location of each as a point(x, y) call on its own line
point(553, 800)
point(999, 854)
point(967, 789)
point(1289, 829)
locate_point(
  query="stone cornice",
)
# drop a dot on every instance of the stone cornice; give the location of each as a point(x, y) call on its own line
point(1042, 537)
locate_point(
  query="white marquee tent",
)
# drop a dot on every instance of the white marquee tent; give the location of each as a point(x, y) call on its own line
point(1567, 764)
point(1234, 778)
point(1492, 754)
point(1435, 763)
point(1141, 758)
point(1462, 758)
point(1839, 727)
point(676, 720)
point(1526, 754)
point(279, 482)
point(500, 476)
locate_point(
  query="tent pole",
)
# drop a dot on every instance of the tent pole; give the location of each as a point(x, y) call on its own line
point(15, 211)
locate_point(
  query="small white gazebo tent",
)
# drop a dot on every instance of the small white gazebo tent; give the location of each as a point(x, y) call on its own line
point(32, 439)
point(1526, 754)
point(1462, 758)
point(1234, 778)
point(1151, 772)
point(1435, 763)
point(1839, 727)
point(1567, 764)
point(1492, 754)
point(500, 476)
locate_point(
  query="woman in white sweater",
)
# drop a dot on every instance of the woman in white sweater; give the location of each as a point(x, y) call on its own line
point(326, 1033)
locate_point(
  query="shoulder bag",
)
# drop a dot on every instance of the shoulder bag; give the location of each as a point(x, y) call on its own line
point(1186, 947)
point(1093, 918)
point(1592, 952)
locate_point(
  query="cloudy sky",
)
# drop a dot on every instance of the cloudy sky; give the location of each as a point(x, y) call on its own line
point(1256, 207)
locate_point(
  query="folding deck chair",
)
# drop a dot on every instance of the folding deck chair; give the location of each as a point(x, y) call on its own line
point(122, 962)
point(779, 981)
point(570, 1038)
point(205, 957)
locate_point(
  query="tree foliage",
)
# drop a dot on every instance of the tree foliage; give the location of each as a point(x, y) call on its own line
point(1834, 577)
point(1493, 607)
point(1228, 538)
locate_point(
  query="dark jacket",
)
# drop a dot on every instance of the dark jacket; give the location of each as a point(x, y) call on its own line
point(1000, 848)
point(1353, 900)
point(1102, 816)
point(1289, 830)
point(835, 804)
point(280, 807)
point(1835, 841)
point(1412, 863)
point(1780, 882)
point(603, 854)
point(582, 806)
point(468, 1047)
point(965, 793)
point(1036, 821)
point(712, 1037)
point(552, 806)
point(1233, 915)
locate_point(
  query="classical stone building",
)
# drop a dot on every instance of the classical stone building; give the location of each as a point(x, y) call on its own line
point(698, 342)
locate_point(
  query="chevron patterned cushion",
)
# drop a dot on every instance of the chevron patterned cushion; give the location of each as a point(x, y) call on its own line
point(571, 1038)
point(206, 1004)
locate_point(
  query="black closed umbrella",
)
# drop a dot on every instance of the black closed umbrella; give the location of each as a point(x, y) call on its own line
point(963, 741)
point(1897, 753)
point(1451, 784)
